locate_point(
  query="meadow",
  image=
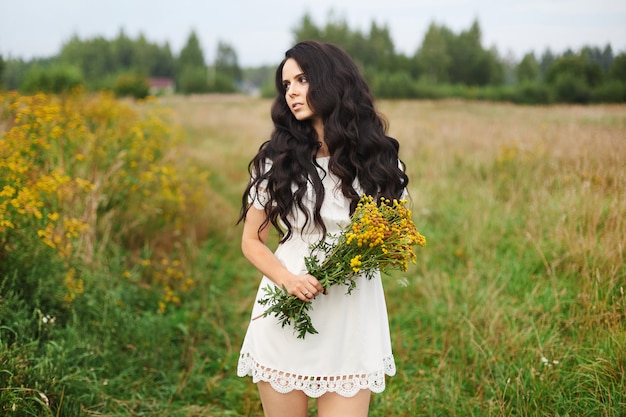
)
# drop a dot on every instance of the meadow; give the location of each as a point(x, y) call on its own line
point(516, 306)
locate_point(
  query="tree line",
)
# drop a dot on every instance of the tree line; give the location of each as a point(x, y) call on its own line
point(446, 64)
point(125, 66)
point(457, 64)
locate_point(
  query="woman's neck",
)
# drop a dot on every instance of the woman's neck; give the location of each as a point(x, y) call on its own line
point(322, 150)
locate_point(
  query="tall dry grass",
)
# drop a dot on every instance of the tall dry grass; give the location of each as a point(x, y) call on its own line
point(517, 304)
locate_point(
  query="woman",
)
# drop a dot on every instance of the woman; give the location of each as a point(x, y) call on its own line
point(327, 149)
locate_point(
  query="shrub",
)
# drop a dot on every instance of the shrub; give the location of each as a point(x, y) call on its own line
point(612, 91)
point(131, 85)
point(427, 90)
point(393, 85)
point(57, 79)
point(85, 175)
point(532, 93)
point(569, 88)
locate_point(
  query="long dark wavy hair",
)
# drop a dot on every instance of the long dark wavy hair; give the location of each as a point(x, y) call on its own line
point(354, 132)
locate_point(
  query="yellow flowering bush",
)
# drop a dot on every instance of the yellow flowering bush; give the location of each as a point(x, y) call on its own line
point(381, 237)
point(82, 173)
point(40, 201)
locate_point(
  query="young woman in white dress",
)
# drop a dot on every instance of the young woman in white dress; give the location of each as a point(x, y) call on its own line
point(328, 148)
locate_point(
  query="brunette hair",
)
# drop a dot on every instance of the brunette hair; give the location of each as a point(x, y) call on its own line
point(354, 132)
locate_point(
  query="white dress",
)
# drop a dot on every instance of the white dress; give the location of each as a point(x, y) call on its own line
point(352, 350)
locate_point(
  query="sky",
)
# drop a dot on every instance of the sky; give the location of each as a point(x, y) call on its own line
point(260, 31)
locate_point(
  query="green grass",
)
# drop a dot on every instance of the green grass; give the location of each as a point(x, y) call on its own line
point(516, 306)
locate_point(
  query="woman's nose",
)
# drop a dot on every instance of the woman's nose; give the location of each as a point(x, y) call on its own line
point(294, 90)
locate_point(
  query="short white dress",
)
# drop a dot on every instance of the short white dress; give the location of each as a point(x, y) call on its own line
point(352, 350)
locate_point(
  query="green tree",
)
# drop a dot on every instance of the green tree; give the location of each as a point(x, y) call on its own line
point(95, 58)
point(102, 60)
point(338, 32)
point(123, 49)
point(381, 54)
point(577, 66)
point(161, 61)
point(471, 64)
point(602, 57)
point(192, 71)
point(546, 61)
point(191, 56)
point(306, 29)
point(607, 58)
point(226, 63)
point(618, 69)
point(495, 66)
point(528, 69)
point(142, 56)
point(464, 50)
point(433, 59)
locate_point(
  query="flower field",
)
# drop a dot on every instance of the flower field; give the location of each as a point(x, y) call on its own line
point(123, 291)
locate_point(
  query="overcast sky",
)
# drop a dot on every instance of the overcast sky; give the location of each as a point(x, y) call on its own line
point(261, 30)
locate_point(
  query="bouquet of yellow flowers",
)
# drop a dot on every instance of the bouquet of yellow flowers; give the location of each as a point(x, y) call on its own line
point(380, 237)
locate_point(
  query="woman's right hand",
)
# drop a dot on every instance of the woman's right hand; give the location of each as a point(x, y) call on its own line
point(306, 287)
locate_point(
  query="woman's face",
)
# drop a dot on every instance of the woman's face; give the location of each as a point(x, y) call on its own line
point(296, 87)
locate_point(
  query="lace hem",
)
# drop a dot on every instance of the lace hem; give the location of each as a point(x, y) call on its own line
point(315, 386)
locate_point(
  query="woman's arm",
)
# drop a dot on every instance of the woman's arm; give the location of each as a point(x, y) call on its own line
point(254, 248)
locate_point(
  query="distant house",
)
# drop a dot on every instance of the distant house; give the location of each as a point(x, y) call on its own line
point(161, 86)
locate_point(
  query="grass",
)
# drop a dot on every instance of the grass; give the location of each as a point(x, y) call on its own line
point(515, 308)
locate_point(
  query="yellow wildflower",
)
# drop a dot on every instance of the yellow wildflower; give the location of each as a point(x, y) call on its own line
point(384, 234)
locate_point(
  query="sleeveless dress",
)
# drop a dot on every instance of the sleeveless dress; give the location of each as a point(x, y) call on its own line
point(352, 350)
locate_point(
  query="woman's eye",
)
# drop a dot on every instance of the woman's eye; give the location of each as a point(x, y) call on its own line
point(286, 86)
point(303, 79)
